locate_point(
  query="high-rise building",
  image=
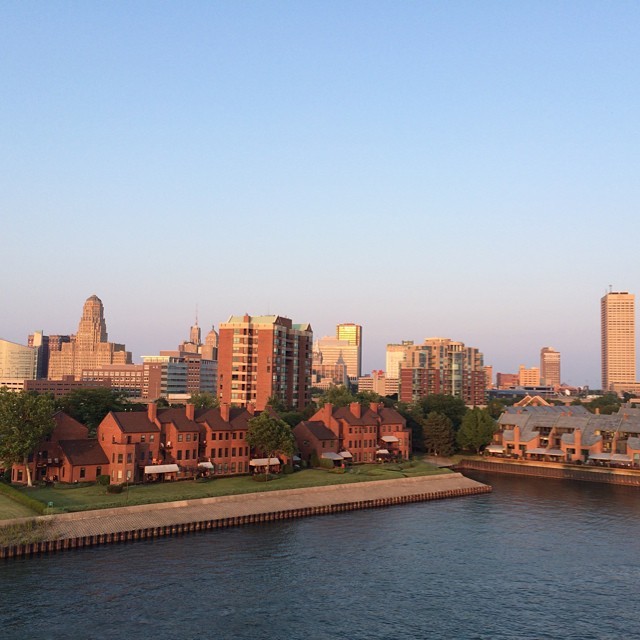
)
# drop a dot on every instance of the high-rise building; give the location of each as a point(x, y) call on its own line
point(528, 377)
point(618, 339)
point(260, 357)
point(352, 334)
point(45, 345)
point(89, 347)
point(441, 365)
point(549, 367)
point(334, 362)
point(17, 362)
point(395, 357)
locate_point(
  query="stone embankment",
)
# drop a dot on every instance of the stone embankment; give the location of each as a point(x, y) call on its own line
point(556, 470)
point(142, 522)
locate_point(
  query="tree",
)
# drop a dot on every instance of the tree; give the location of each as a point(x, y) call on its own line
point(477, 430)
point(607, 404)
point(438, 434)
point(90, 405)
point(337, 395)
point(270, 436)
point(25, 420)
point(204, 400)
point(414, 418)
point(495, 408)
point(450, 406)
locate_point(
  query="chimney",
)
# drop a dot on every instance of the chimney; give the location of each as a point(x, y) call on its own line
point(224, 411)
point(190, 410)
point(328, 413)
point(251, 408)
point(374, 406)
point(152, 411)
point(356, 409)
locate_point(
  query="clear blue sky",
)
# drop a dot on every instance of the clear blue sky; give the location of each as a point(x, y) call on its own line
point(461, 169)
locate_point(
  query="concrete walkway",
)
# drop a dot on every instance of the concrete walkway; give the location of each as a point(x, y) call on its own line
point(103, 521)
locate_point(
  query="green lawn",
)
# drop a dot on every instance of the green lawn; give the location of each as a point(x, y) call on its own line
point(11, 509)
point(81, 498)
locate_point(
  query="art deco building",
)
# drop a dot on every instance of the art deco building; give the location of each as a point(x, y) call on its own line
point(618, 339)
point(264, 356)
point(352, 334)
point(89, 347)
point(549, 367)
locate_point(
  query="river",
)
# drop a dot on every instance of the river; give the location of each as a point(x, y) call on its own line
point(537, 558)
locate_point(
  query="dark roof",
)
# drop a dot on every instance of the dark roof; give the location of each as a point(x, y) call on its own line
point(238, 418)
point(390, 416)
point(62, 419)
point(344, 413)
point(319, 430)
point(134, 422)
point(178, 418)
point(83, 452)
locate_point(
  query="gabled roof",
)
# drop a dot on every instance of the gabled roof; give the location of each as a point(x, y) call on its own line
point(344, 413)
point(390, 416)
point(319, 430)
point(64, 420)
point(178, 418)
point(134, 422)
point(238, 419)
point(83, 452)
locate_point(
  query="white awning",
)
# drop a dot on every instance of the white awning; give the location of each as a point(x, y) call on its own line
point(330, 455)
point(555, 452)
point(610, 457)
point(346, 454)
point(541, 451)
point(382, 452)
point(538, 451)
point(495, 448)
point(162, 468)
point(296, 458)
point(205, 465)
point(263, 462)
point(389, 439)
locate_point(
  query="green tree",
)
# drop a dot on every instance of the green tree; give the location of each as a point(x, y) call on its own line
point(90, 405)
point(477, 430)
point(450, 406)
point(25, 420)
point(270, 436)
point(414, 419)
point(337, 395)
point(607, 404)
point(438, 434)
point(495, 408)
point(204, 400)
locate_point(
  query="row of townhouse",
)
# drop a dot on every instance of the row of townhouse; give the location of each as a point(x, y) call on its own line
point(569, 434)
point(133, 446)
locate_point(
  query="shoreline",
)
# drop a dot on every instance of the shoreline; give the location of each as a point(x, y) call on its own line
point(554, 470)
point(141, 522)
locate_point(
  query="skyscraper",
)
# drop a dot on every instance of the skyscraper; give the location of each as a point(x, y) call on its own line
point(260, 357)
point(618, 339)
point(549, 367)
point(352, 333)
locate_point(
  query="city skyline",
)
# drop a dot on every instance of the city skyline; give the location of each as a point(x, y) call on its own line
point(467, 170)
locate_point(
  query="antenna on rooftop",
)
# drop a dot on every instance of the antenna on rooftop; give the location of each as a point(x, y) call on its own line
point(610, 288)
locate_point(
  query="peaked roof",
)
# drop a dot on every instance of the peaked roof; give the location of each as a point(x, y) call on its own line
point(238, 419)
point(178, 418)
point(134, 422)
point(83, 452)
point(63, 419)
point(319, 430)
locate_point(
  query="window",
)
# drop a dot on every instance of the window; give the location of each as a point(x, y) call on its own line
point(194, 454)
point(180, 455)
point(195, 437)
point(213, 436)
point(179, 437)
point(233, 467)
point(233, 452)
point(98, 471)
point(83, 472)
point(152, 437)
point(219, 453)
point(187, 454)
point(188, 437)
point(120, 459)
point(143, 438)
point(213, 453)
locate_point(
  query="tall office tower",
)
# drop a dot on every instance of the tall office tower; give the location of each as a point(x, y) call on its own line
point(528, 377)
point(44, 346)
point(396, 354)
point(260, 357)
point(352, 333)
point(17, 361)
point(89, 347)
point(441, 365)
point(549, 367)
point(618, 318)
point(331, 360)
point(209, 349)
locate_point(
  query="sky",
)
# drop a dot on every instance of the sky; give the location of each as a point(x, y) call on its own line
point(461, 169)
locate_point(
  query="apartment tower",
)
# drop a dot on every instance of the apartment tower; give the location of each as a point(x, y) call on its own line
point(549, 367)
point(260, 357)
point(618, 313)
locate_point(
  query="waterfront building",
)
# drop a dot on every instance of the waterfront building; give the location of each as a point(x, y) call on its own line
point(618, 339)
point(441, 365)
point(17, 361)
point(550, 367)
point(66, 455)
point(360, 434)
point(89, 347)
point(568, 434)
point(260, 357)
point(351, 334)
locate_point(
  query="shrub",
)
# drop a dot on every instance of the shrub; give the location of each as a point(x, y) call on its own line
point(115, 488)
point(315, 460)
point(288, 468)
point(325, 464)
point(18, 496)
point(262, 477)
point(104, 480)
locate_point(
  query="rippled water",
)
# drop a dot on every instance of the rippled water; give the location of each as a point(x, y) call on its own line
point(534, 559)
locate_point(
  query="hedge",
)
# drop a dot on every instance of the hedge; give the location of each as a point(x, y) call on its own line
point(20, 497)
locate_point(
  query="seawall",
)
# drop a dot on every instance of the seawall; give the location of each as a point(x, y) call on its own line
point(553, 470)
point(142, 522)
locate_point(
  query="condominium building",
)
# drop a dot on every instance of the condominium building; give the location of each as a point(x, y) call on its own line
point(441, 365)
point(260, 357)
point(618, 339)
point(379, 383)
point(528, 377)
point(395, 357)
point(352, 334)
point(549, 367)
point(89, 347)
